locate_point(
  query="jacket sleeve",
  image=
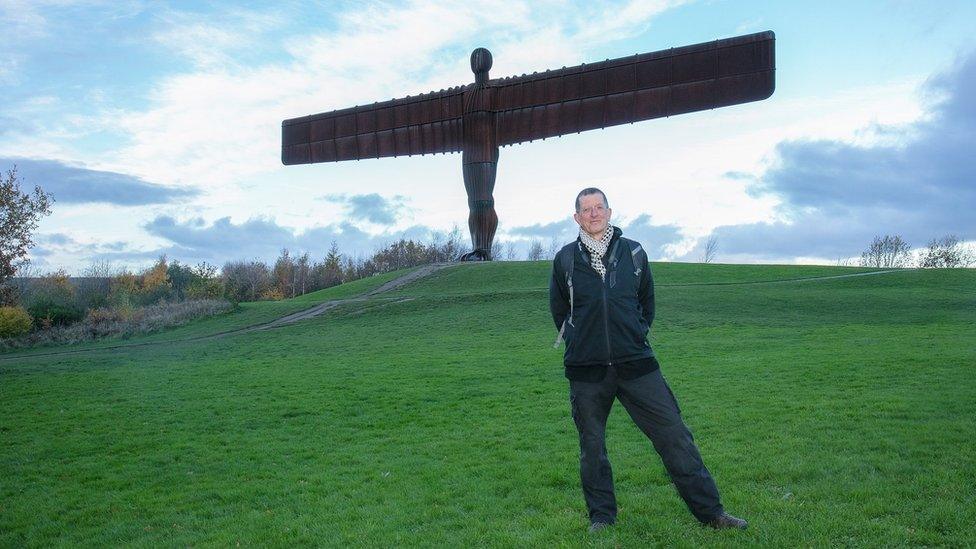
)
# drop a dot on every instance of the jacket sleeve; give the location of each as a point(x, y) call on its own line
point(558, 294)
point(645, 290)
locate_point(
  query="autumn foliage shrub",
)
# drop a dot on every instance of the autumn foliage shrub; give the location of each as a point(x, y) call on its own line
point(154, 284)
point(122, 322)
point(14, 321)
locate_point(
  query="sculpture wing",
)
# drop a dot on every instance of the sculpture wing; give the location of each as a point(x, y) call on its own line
point(630, 89)
point(428, 123)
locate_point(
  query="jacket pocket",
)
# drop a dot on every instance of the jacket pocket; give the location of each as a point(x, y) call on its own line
point(634, 334)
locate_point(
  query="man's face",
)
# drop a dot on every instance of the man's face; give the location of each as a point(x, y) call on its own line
point(593, 217)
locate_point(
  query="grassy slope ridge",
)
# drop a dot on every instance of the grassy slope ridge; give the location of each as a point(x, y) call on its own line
point(831, 412)
point(245, 315)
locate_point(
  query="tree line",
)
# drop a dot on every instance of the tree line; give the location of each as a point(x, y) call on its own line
point(946, 252)
point(57, 299)
point(40, 302)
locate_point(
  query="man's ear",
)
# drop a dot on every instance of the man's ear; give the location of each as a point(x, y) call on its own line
point(576, 218)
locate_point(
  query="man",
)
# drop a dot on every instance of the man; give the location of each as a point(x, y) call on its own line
point(601, 296)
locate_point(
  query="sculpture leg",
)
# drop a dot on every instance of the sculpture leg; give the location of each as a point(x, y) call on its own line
point(479, 182)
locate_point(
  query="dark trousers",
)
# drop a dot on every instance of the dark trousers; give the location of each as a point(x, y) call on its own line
point(652, 406)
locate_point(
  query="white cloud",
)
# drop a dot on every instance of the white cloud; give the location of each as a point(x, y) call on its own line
point(214, 42)
point(222, 120)
point(32, 19)
point(9, 63)
point(216, 125)
point(676, 169)
point(600, 21)
point(23, 18)
point(835, 194)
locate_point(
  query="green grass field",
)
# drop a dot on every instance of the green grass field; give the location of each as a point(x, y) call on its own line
point(835, 411)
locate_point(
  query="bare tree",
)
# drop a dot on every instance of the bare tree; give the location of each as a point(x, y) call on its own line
point(246, 280)
point(536, 251)
point(258, 278)
point(554, 245)
point(20, 287)
point(302, 271)
point(887, 251)
point(711, 249)
point(946, 253)
point(452, 247)
point(511, 251)
point(496, 250)
point(94, 285)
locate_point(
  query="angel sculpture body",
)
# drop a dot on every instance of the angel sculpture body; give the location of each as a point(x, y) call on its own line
point(478, 118)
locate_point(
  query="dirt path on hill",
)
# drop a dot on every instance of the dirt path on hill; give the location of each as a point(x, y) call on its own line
point(781, 280)
point(394, 284)
point(292, 318)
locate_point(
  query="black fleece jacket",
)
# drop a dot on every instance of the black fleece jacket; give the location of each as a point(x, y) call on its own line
point(611, 318)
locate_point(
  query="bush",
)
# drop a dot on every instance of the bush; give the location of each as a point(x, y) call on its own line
point(122, 288)
point(49, 313)
point(272, 294)
point(14, 321)
point(107, 321)
point(204, 289)
point(121, 322)
point(52, 301)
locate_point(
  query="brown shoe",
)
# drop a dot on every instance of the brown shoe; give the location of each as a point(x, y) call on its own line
point(726, 520)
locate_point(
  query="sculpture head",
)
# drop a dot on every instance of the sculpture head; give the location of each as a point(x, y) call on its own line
point(480, 64)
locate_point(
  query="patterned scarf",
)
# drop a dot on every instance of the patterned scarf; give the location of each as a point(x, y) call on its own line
point(597, 249)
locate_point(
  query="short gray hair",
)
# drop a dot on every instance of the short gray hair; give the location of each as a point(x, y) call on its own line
point(588, 191)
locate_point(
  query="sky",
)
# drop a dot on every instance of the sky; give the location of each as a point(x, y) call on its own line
point(156, 127)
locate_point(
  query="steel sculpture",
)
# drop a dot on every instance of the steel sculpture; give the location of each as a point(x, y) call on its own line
point(478, 118)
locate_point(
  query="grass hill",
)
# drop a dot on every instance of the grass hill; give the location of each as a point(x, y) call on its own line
point(832, 411)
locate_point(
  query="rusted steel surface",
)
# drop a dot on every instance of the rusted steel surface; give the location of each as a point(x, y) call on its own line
point(478, 118)
point(558, 102)
point(423, 124)
point(631, 89)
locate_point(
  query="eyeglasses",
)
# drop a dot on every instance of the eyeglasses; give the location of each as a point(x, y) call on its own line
point(598, 210)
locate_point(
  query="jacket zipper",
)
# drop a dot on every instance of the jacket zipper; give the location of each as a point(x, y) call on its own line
point(606, 322)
